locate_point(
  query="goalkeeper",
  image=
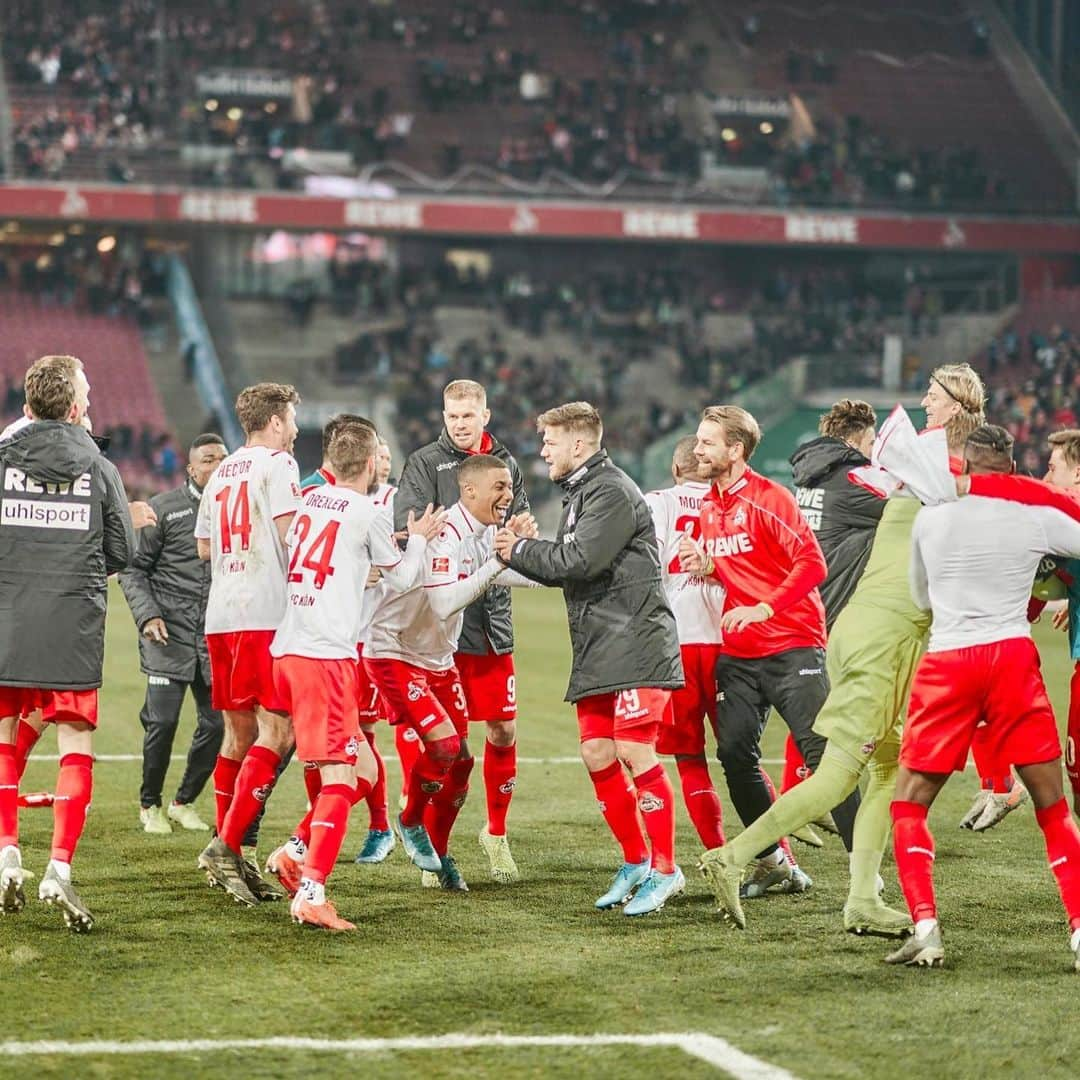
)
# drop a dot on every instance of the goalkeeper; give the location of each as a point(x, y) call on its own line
point(872, 653)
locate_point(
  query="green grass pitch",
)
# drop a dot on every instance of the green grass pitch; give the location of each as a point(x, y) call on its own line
point(171, 959)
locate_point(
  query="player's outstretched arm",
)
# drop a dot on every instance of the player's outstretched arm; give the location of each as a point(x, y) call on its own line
point(402, 572)
point(604, 527)
point(449, 597)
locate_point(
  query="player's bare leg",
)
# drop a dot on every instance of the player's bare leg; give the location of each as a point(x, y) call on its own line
point(74, 740)
point(29, 731)
point(500, 780)
point(12, 874)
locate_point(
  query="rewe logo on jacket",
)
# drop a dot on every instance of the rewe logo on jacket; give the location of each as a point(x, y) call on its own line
point(720, 547)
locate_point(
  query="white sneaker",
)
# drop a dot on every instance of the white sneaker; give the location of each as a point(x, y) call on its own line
point(999, 805)
point(154, 820)
point(12, 879)
point(976, 808)
point(187, 817)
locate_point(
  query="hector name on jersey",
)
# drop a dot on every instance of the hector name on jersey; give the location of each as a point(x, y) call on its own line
point(764, 551)
point(250, 489)
point(335, 538)
point(698, 603)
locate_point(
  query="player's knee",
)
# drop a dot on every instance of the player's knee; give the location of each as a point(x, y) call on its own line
point(443, 752)
point(502, 732)
point(597, 754)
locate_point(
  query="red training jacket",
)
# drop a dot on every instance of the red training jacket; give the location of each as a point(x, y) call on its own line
point(763, 550)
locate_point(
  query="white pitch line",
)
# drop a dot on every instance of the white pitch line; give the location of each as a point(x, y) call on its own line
point(389, 759)
point(709, 1048)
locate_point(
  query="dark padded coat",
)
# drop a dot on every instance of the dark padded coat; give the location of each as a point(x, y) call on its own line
point(607, 563)
point(169, 581)
point(64, 527)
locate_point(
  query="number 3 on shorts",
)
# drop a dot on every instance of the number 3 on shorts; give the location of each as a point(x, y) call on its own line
point(459, 698)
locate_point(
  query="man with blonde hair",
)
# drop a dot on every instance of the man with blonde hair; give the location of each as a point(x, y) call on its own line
point(625, 645)
point(484, 657)
point(874, 647)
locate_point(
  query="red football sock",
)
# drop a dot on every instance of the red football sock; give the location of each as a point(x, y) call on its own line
point(619, 807)
point(254, 782)
point(702, 801)
point(500, 778)
point(9, 795)
point(409, 748)
point(445, 805)
point(312, 783)
point(913, 847)
point(25, 740)
point(224, 784)
point(427, 777)
point(73, 788)
point(795, 769)
point(376, 797)
point(656, 801)
point(992, 777)
point(1063, 850)
point(328, 826)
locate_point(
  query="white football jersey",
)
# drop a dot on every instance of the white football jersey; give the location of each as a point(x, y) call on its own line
point(384, 496)
point(404, 627)
point(697, 604)
point(335, 539)
point(237, 515)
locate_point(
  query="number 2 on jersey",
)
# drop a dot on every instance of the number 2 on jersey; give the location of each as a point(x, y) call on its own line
point(690, 524)
point(320, 552)
point(234, 521)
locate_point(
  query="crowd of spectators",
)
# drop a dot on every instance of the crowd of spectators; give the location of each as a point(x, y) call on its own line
point(1035, 389)
point(368, 80)
point(850, 164)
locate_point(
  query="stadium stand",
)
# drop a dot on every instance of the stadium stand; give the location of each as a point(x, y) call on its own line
point(899, 106)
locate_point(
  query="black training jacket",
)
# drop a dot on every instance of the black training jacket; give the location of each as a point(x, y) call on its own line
point(64, 527)
point(607, 562)
point(169, 581)
point(843, 515)
point(430, 476)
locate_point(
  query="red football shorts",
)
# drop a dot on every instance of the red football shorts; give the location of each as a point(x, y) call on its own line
point(630, 715)
point(1072, 736)
point(242, 671)
point(320, 696)
point(368, 699)
point(57, 706)
point(691, 704)
point(490, 685)
point(420, 698)
point(954, 691)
